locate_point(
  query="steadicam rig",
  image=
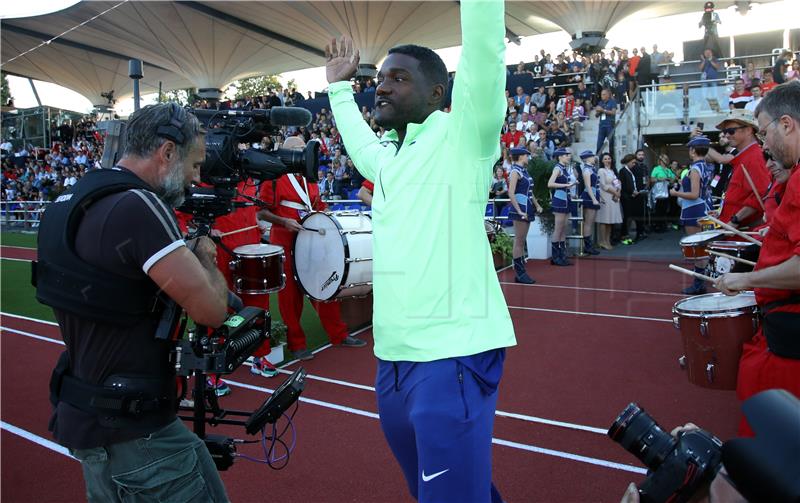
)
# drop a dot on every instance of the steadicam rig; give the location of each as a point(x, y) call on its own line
point(221, 352)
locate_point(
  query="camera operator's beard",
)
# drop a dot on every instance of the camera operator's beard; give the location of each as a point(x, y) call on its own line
point(171, 190)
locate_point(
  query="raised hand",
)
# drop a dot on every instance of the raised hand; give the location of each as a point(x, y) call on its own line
point(341, 60)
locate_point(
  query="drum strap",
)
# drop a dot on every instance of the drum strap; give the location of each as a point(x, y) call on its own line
point(294, 205)
point(301, 191)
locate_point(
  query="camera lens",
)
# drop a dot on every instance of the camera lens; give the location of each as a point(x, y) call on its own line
point(640, 435)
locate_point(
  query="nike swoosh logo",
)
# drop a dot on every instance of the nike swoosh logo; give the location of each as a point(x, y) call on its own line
point(428, 478)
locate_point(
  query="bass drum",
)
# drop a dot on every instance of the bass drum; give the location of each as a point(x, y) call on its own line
point(333, 256)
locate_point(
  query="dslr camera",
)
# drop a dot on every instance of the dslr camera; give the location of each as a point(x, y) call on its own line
point(677, 467)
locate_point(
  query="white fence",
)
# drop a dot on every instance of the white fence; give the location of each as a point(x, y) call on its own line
point(22, 214)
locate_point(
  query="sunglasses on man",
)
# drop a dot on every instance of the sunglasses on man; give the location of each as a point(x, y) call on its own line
point(731, 130)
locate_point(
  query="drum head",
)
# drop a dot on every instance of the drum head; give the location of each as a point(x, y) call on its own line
point(700, 237)
point(319, 260)
point(716, 303)
point(258, 250)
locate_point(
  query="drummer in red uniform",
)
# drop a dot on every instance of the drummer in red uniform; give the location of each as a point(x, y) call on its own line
point(288, 199)
point(772, 358)
point(740, 206)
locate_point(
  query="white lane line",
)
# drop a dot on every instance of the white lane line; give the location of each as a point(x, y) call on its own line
point(282, 370)
point(18, 247)
point(574, 457)
point(33, 336)
point(48, 444)
point(16, 259)
point(562, 424)
point(584, 313)
point(498, 441)
point(36, 439)
point(37, 320)
point(512, 415)
point(585, 288)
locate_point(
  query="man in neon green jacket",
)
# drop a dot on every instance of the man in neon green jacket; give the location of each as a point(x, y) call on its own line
point(440, 322)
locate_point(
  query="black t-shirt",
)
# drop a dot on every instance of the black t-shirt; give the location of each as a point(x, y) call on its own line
point(642, 174)
point(126, 233)
point(777, 70)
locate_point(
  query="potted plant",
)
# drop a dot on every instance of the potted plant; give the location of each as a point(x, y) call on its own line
point(277, 341)
point(502, 249)
point(540, 170)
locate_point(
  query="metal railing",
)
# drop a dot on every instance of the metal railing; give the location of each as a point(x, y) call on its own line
point(689, 100)
point(734, 58)
point(22, 214)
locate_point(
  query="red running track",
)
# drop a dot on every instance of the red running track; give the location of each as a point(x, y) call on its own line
point(582, 355)
point(17, 253)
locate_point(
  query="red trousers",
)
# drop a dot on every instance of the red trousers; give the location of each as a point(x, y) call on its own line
point(760, 370)
point(290, 300)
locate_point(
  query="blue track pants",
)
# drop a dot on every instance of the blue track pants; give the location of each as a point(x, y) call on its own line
point(438, 418)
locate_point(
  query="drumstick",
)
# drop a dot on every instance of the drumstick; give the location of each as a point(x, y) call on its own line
point(734, 230)
point(737, 259)
point(750, 233)
point(320, 231)
point(753, 187)
point(691, 273)
point(238, 230)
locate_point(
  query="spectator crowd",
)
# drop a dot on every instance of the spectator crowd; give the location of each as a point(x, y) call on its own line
point(34, 174)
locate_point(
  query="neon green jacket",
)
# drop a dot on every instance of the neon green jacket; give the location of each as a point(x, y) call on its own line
point(436, 294)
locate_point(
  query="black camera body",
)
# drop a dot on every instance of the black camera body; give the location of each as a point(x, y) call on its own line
point(226, 165)
point(677, 468)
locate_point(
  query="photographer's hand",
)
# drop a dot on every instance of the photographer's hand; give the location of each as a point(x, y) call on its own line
point(341, 60)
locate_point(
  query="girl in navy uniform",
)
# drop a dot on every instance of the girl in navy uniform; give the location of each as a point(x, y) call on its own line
point(523, 204)
point(560, 182)
point(591, 199)
point(695, 200)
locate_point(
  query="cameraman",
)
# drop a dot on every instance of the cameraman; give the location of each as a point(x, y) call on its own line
point(110, 253)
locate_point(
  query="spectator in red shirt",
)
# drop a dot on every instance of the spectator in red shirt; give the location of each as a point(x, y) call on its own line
point(512, 138)
point(740, 96)
point(769, 83)
point(633, 65)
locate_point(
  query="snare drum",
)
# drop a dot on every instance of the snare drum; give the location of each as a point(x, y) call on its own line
point(740, 249)
point(713, 328)
point(333, 257)
point(257, 269)
point(694, 245)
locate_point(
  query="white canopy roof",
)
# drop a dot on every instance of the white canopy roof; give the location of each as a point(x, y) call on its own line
point(210, 44)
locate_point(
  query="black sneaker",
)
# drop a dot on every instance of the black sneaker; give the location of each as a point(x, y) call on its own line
point(351, 342)
point(303, 354)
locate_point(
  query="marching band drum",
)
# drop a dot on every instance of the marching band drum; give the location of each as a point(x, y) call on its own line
point(694, 246)
point(257, 269)
point(713, 329)
point(333, 257)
